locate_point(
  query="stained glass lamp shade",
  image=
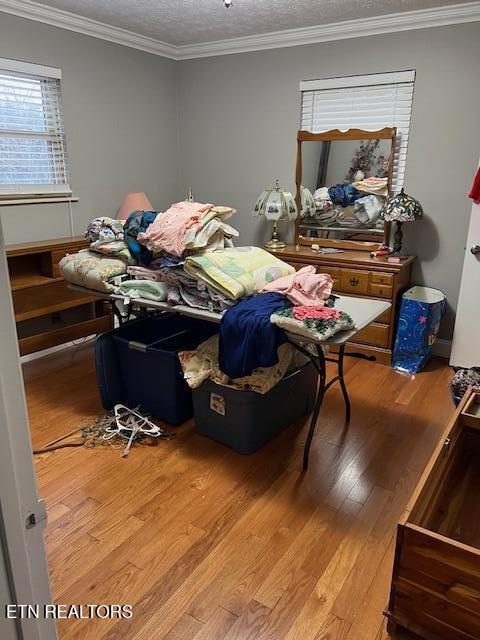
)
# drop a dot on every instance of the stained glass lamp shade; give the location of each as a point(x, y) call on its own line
point(399, 209)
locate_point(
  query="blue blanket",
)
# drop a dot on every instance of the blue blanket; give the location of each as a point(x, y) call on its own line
point(247, 337)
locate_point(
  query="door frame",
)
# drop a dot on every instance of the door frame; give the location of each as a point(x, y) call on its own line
point(22, 512)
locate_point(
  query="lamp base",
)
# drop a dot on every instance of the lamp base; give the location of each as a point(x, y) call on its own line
point(274, 244)
point(398, 238)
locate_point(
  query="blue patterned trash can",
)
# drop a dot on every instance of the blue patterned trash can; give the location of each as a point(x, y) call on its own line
point(421, 312)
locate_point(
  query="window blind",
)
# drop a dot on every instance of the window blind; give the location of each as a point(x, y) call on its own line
point(33, 159)
point(369, 102)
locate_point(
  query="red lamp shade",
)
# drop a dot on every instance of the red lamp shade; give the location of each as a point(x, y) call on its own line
point(134, 202)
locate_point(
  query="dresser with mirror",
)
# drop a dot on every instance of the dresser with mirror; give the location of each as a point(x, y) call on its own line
point(342, 181)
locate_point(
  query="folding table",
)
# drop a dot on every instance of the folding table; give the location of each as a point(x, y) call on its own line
point(362, 311)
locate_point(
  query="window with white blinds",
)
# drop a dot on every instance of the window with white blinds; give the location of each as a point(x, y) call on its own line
point(33, 160)
point(369, 102)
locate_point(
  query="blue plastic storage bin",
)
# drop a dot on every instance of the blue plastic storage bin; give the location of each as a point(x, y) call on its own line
point(151, 375)
point(245, 420)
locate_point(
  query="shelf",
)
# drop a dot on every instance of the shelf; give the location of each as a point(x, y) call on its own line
point(26, 280)
point(53, 308)
point(42, 246)
point(52, 338)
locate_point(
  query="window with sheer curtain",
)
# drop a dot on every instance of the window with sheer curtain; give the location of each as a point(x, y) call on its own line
point(369, 102)
point(33, 159)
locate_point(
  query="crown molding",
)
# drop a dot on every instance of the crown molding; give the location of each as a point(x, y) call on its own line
point(79, 24)
point(391, 23)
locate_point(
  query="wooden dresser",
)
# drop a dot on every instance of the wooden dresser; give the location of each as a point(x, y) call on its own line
point(435, 589)
point(356, 273)
point(47, 313)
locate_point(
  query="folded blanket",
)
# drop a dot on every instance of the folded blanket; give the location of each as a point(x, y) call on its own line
point(91, 270)
point(305, 287)
point(237, 272)
point(148, 289)
point(115, 249)
point(212, 234)
point(202, 364)
point(319, 323)
point(377, 186)
point(106, 237)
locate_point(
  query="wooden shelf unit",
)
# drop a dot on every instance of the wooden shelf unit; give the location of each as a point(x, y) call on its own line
point(40, 295)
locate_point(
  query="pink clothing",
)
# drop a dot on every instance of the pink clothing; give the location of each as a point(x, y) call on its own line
point(168, 229)
point(144, 273)
point(305, 287)
point(317, 313)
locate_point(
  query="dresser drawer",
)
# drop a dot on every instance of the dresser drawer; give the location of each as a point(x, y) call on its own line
point(380, 290)
point(375, 334)
point(354, 281)
point(377, 277)
point(335, 275)
point(358, 282)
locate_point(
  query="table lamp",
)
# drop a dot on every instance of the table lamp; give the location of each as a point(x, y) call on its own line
point(275, 204)
point(399, 209)
point(134, 202)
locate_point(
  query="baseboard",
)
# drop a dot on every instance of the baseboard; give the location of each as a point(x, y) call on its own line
point(60, 347)
point(442, 348)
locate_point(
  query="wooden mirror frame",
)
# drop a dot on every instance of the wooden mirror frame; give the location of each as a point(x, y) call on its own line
point(388, 133)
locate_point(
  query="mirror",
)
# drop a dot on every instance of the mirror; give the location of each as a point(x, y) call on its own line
point(349, 176)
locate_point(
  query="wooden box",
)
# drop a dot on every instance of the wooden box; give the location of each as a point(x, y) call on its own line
point(436, 576)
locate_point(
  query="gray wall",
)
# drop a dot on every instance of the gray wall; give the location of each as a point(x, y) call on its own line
point(239, 115)
point(234, 130)
point(120, 120)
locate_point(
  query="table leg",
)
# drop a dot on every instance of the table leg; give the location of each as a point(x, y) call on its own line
point(317, 405)
point(341, 353)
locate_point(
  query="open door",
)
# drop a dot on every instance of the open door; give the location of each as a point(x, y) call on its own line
point(465, 344)
point(23, 566)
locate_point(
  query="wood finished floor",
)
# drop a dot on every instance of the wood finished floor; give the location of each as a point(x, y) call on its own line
point(210, 545)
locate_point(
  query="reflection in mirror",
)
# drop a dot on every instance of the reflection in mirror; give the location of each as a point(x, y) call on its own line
point(349, 183)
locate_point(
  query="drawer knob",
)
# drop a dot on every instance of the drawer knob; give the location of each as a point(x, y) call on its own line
point(446, 444)
point(354, 282)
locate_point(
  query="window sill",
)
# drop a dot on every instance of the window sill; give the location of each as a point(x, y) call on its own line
point(8, 202)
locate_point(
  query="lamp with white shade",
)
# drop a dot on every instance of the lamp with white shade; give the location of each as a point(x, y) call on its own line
point(275, 204)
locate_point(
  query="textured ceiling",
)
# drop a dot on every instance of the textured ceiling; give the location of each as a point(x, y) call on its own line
point(185, 22)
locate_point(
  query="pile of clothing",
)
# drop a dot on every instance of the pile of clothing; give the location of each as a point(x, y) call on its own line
point(252, 349)
point(189, 226)
point(354, 205)
point(185, 256)
point(106, 259)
